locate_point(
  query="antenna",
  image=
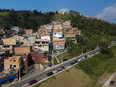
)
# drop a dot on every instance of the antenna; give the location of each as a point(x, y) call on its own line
point(33, 8)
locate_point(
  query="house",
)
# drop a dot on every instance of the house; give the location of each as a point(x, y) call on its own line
point(8, 47)
point(28, 41)
point(22, 49)
point(41, 44)
point(70, 36)
point(28, 31)
point(45, 36)
point(57, 33)
point(13, 62)
point(58, 43)
point(15, 28)
point(40, 57)
point(9, 41)
point(3, 55)
point(26, 59)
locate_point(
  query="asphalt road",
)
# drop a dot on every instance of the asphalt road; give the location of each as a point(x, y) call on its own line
point(42, 75)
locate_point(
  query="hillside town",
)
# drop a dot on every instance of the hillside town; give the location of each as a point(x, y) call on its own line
point(18, 51)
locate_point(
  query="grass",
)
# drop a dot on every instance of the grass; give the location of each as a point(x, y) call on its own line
point(76, 78)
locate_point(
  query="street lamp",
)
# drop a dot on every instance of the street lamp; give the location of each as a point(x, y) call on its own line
point(19, 69)
point(82, 49)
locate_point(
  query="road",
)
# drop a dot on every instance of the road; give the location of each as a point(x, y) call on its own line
point(42, 75)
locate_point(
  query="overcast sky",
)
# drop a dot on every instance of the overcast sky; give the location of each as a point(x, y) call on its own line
point(105, 9)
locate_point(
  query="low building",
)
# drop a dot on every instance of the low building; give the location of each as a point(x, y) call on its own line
point(28, 31)
point(14, 62)
point(41, 44)
point(22, 49)
point(58, 43)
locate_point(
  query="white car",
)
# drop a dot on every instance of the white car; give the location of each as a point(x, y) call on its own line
point(79, 59)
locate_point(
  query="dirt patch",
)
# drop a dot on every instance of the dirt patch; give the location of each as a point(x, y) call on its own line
point(103, 78)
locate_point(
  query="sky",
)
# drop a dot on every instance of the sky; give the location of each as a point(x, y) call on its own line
point(105, 9)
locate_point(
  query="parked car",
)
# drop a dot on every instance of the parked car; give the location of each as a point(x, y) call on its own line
point(50, 73)
point(86, 56)
point(62, 67)
point(71, 63)
point(112, 82)
point(83, 58)
point(79, 59)
point(32, 82)
point(75, 61)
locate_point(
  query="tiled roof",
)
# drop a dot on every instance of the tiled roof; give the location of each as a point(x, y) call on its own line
point(59, 43)
point(70, 35)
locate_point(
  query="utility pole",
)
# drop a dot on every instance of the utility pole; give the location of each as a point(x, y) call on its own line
point(19, 69)
point(62, 59)
point(97, 44)
point(82, 49)
point(52, 42)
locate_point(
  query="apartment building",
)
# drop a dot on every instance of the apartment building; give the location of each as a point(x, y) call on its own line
point(58, 43)
point(13, 62)
point(57, 33)
point(41, 44)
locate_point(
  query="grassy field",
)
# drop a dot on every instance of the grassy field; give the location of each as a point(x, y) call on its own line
point(69, 78)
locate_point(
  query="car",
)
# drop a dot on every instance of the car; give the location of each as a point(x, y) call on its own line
point(85, 56)
point(50, 73)
point(93, 53)
point(112, 82)
point(71, 63)
point(62, 67)
point(79, 59)
point(32, 82)
point(75, 61)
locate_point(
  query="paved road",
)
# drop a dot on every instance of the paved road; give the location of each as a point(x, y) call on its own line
point(40, 76)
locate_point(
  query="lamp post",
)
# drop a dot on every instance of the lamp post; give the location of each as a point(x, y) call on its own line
point(82, 49)
point(19, 69)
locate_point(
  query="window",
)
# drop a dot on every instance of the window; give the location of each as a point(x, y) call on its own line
point(14, 60)
point(14, 65)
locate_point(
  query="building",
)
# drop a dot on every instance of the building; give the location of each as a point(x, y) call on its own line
point(3, 55)
point(9, 41)
point(14, 62)
point(15, 28)
point(40, 57)
point(58, 43)
point(41, 44)
point(26, 59)
point(57, 33)
point(22, 49)
point(28, 31)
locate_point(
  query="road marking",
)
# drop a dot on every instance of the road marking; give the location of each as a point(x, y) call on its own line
point(24, 85)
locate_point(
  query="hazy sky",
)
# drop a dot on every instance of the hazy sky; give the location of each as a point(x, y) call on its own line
point(105, 9)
